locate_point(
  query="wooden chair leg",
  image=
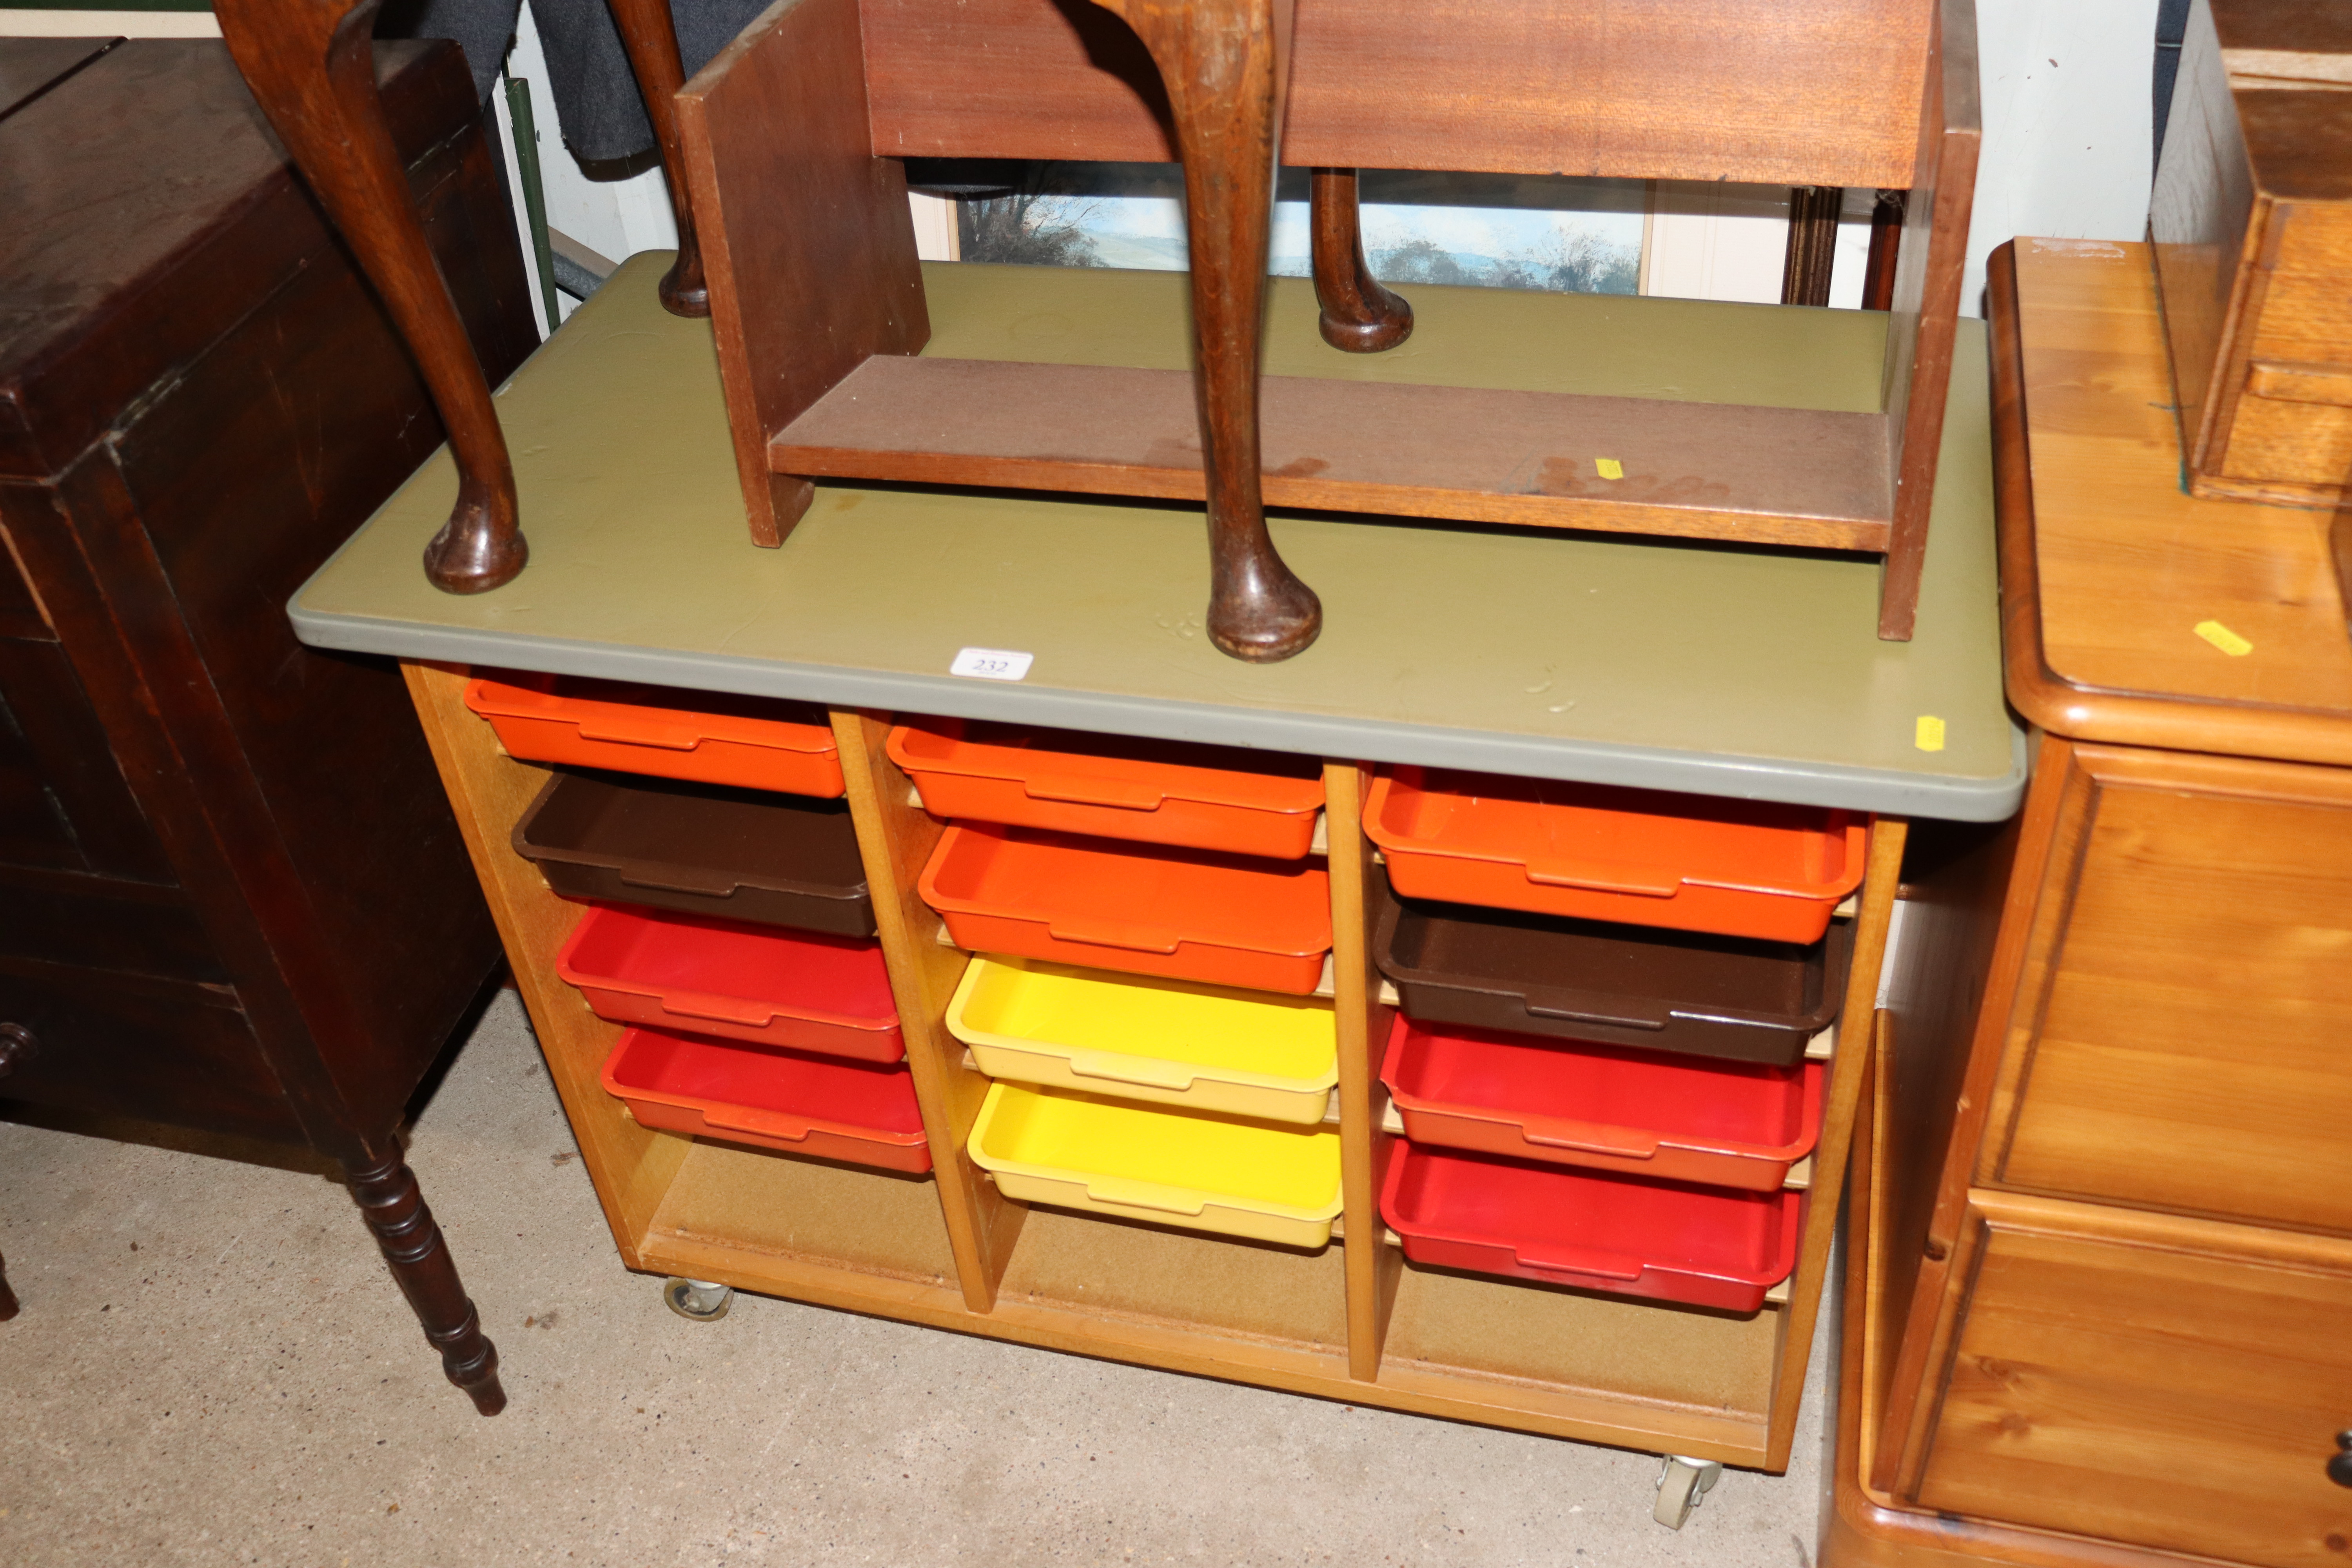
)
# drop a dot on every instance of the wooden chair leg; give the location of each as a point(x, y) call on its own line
point(312, 70)
point(1811, 253)
point(1886, 250)
point(386, 1191)
point(650, 35)
point(1358, 315)
point(1226, 63)
point(7, 1297)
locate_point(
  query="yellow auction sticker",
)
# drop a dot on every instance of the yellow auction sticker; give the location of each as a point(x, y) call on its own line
point(2225, 639)
point(1928, 733)
point(1609, 467)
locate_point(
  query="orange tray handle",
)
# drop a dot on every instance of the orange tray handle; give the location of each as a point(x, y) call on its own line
point(1642, 882)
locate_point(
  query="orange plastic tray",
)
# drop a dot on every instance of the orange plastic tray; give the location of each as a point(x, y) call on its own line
point(1747, 868)
point(1228, 919)
point(773, 1100)
point(751, 743)
point(800, 990)
point(1154, 792)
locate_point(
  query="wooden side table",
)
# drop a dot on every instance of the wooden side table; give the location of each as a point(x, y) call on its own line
point(232, 897)
point(2099, 1305)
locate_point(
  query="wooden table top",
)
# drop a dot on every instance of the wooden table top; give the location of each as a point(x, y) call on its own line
point(2109, 567)
point(1727, 671)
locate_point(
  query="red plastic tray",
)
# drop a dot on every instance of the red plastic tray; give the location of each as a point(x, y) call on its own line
point(1229, 919)
point(751, 743)
point(1568, 1102)
point(1154, 792)
point(1749, 868)
point(800, 990)
point(1709, 1246)
point(775, 1099)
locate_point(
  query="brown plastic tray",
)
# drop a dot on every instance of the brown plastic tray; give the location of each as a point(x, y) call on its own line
point(737, 854)
point(1661, 990)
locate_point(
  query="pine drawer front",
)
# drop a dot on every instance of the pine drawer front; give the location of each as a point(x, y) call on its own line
point(2139, 1378)
point(2178, 1037)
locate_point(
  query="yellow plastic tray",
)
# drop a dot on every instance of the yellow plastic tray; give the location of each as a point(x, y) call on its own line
point(1205, 1173)
point(1170, 1042)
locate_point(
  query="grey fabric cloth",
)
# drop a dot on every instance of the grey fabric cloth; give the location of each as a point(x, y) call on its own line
point(483, 28)
point(596, 99)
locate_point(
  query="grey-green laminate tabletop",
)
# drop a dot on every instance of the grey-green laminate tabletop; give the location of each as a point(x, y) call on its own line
point(1605, 658)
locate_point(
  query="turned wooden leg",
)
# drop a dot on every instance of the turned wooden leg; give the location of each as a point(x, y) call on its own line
point(1886, 250)
point(311, 67)
point(1358, 315)
point(650, 35)
point(1812, 251)
point(386, 1191)
point(1226, 63)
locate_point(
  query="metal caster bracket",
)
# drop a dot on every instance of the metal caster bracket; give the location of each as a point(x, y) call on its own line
point(703, 1301)
point(1683, 1485)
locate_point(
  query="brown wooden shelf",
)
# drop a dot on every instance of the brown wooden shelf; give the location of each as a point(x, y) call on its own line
point(1761, 475)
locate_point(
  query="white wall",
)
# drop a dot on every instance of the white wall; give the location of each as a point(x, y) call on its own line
point(2066, 156)
point(2068, 141)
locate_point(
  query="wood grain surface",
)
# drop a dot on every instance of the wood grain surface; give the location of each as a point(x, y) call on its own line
point(2180, 1045)
point(2147, 1380)
point(773, 128)
point(1778, 476)
point(2108, 568)
point(1924, 301)
point(1652, 90)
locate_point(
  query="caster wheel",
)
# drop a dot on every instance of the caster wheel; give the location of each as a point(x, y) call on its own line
point(1683, 1485)
point(700, 1299)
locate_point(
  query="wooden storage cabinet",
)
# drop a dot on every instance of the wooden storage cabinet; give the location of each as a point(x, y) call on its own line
point(2099, 1305)
point(231, 895)
point(2160, 1382)
point(1353, 1319)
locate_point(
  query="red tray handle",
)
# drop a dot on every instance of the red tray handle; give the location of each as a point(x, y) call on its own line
point(1587, 1264)
point(1118, 794)
point(717, 1009)
point(766, 1123)
point(1112, 933)
point(1586, 1137)
point(626, 730)
point(1642, 882)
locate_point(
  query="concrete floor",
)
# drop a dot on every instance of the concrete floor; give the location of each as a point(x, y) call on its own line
point(213, 1367)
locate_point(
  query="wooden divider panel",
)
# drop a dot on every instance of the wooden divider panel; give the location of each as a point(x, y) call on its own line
point(895, 839)
point(1924, 322)
point(1856, 1043)
point(1373, 1267)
